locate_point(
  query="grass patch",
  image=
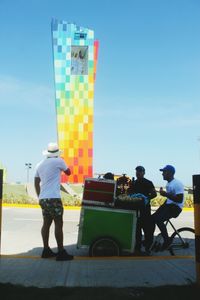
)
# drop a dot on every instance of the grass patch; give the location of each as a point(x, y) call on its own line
point(17, 194)
point(159, 200)
point(14, 292)
point(14, 193)
point(17, 189)
point(78, 188)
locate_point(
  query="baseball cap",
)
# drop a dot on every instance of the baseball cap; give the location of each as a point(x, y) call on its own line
point(169, 168)
point(140, 169)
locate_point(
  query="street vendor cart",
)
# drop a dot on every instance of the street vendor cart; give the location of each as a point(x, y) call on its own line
point(107, 226)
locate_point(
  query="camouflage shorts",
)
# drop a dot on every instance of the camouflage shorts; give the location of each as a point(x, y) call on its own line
point(51, 207)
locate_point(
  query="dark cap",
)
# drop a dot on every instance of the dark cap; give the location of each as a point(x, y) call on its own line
point(109, 175)
point(140, 169)
point(169, 168)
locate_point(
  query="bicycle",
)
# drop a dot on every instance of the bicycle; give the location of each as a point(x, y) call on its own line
point(183, 241)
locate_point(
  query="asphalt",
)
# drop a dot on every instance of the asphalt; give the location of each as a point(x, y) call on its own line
point(28, 269)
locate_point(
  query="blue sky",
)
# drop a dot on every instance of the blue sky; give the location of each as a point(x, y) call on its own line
point(147, 91)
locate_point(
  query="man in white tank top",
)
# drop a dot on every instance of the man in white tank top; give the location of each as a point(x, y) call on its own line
point(173, 204)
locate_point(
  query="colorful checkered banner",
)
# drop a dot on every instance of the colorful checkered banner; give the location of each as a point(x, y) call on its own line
point(75, 59)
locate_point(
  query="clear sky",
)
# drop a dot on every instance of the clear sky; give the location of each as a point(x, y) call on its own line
point(147, 91)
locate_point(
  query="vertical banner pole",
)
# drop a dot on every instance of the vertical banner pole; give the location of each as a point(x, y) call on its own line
point(196, 191)
point(1, 196)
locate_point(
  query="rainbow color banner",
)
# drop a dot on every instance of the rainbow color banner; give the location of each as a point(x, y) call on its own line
point(75, 59)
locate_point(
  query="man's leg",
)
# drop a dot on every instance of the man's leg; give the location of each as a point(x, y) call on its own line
point(62, 253)
point(58, 220)
point(138, 235)
point(47, 252)
point(160, 216)
point(45, 230)
point(59, 232)
point(149, 228)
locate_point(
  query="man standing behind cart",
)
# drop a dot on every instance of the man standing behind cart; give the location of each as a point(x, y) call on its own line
point(144, 186)
point(47, 185)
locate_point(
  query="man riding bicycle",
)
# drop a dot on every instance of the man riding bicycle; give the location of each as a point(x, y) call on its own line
point(173, 205)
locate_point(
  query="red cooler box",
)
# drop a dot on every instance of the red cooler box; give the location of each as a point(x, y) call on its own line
point(99, 192)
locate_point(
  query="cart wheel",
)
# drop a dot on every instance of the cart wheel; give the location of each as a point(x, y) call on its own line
point(104, 246)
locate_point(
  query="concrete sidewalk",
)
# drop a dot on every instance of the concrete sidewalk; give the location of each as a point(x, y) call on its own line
point(98, 272)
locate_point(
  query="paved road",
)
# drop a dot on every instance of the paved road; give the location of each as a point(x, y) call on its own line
point(21, 230)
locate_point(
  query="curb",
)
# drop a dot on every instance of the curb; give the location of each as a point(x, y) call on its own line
point(36, 206)
point(162, 257)
point(188, 208)
point(65, 207)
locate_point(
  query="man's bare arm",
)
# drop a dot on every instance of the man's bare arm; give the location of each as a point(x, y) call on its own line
point(67, 172)
point(37, 185)
point(176, 198)
point(152, 194)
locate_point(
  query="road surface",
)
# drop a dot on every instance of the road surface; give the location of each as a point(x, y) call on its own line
point(21, 230)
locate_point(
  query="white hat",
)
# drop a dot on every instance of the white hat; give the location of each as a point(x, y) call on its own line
point(52, 150)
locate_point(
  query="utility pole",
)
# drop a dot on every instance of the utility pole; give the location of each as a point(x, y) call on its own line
point(28, 167)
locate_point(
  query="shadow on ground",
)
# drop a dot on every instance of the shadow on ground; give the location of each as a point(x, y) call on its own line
point(15, 292)
point(72, 249)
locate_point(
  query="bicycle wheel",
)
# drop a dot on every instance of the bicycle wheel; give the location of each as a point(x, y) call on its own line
point(183, 242)
point(104, 246)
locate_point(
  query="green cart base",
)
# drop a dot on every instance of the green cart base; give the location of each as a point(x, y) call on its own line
point(107, 231)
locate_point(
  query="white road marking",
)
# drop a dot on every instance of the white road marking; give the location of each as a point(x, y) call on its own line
point(22, 219)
